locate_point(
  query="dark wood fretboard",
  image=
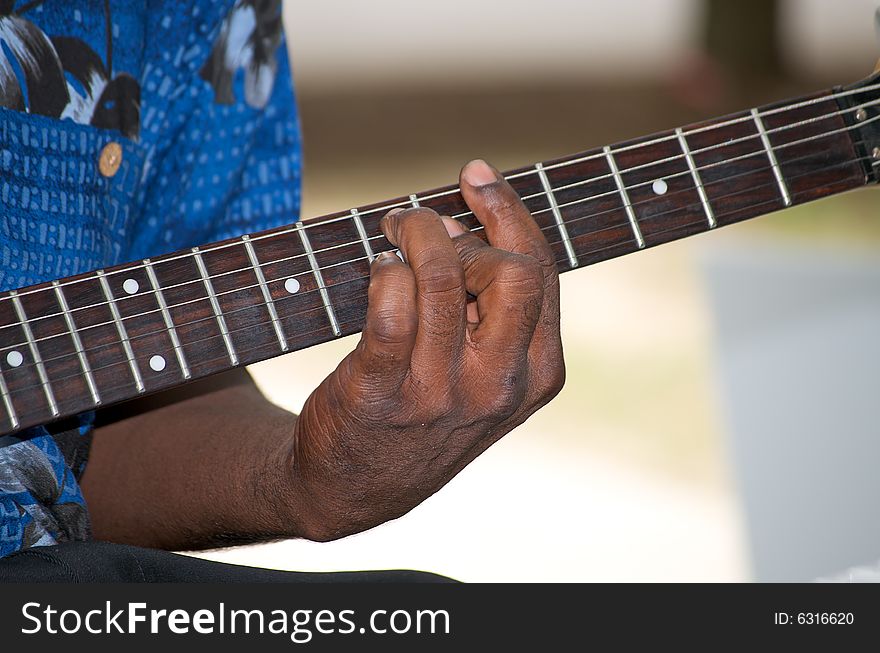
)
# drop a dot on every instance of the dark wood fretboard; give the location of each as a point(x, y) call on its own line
point(99, 338)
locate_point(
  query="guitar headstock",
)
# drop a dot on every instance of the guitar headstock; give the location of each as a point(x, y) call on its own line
point(860, 104)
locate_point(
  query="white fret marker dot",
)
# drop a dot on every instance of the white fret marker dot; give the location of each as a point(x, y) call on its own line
point(14, 358)
point(157, 363)
point(660, 187)
point(130, 286)
point(291, 286)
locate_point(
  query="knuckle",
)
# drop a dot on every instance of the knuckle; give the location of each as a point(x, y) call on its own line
point(468, 246)
point(522, 273)
point(438, 270)
point(523, 284)
point(389, 327)
point(391, 276)
point(502, 405)
point(546, 261)
point(507, 396)
point(389, 319)
point(538, 249)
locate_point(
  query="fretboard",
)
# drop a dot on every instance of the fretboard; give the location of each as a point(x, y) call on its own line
point(99, 338)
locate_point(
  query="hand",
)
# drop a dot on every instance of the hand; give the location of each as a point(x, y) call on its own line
point(435, 379)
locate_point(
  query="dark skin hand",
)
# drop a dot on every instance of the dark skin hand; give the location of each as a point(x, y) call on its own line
point(461, 345)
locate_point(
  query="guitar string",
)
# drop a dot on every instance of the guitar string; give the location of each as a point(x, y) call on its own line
point(41, 415)
point(704, 150)
point(721, 125)
point(561, 164)
point(250, 327)
point(309, 273)
point(526, 198)
point(348, 261)
point(544, 194)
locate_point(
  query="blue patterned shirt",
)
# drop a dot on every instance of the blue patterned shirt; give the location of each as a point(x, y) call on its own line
point(199, 99)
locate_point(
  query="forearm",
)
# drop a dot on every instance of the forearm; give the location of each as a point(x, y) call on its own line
point(207, 470)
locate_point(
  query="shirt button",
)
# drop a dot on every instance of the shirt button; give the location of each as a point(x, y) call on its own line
point(111, 159)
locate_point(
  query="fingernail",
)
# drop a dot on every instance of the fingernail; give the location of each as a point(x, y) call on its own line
point(384, 257)
point(387, 226)
point(479, 173)
point(453, 227)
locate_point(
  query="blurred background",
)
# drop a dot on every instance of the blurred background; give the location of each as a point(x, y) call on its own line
point(718, 423)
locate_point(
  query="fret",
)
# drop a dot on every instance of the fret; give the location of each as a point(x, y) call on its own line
point(241, 289)
point(292, 285)
point(59, 360)
point(695, 174)
point(144, 325)
point(621, 187)
point(774, 164)
point(817, 158)
point(449, 201)
point(248, 299)
point(734, 168)
point(212, 297)
point(193, 310)
point(169, 323)
point(366, 228)
point(319, 279)
point(264, 289)
point(362, 234)
point(98, 338)
point(35, 353)
point(345, 271)
point(23, 384)
point(589, 201)
point(77, 343)
point(121, 331)
point(7, 402)
point(554, 208)
point(659, 183)
point(451, 204)
point(80, 351)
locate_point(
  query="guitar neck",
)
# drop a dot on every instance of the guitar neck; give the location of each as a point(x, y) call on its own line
point(100, 338)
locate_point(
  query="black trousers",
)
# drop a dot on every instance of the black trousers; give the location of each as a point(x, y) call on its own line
point(102, 562)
